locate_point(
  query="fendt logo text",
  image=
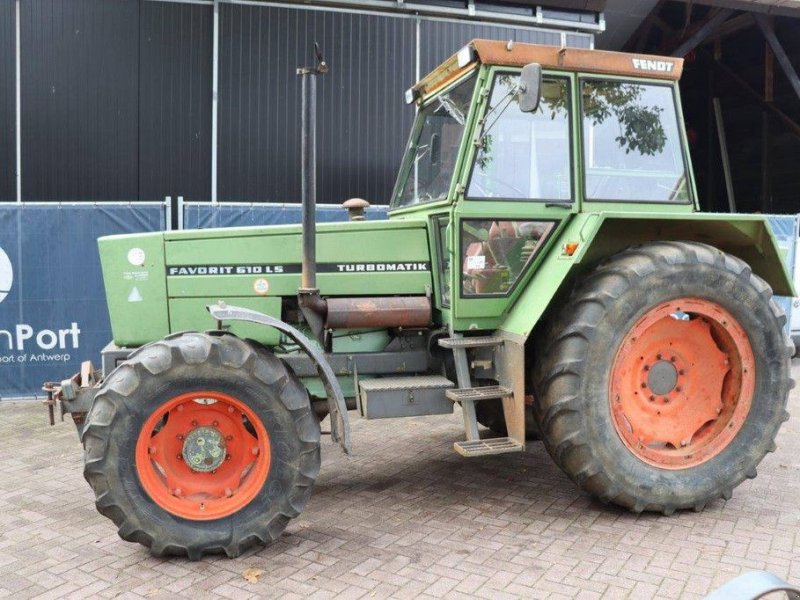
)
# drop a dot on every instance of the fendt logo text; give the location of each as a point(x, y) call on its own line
point(6, 275)
point(23, 337)
point(661, 66)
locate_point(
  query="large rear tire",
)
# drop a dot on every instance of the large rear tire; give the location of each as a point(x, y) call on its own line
point(201, 443)
point(662, 383)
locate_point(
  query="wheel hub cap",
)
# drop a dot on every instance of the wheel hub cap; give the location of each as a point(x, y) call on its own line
point(204, 449)
point(662, 378)
point(682, 383)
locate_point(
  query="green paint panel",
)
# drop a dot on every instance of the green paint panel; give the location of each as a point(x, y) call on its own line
point(398, 256)
point(190, 314)
point(136, 293)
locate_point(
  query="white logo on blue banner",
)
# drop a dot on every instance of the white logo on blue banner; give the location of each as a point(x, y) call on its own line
point(6, 275)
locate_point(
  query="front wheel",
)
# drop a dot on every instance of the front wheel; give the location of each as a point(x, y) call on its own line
point(663, 382)
point(201, 444)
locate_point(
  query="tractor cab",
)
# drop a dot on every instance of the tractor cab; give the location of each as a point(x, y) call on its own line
point(511, 140)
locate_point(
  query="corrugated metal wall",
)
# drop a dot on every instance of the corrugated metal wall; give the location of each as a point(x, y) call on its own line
point(116, 98)
point(80, 109)
point(363, 122)
point(8, 153)
point(175, 100)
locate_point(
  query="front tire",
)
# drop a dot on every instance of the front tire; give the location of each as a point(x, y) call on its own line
point(664, 380)
point(201, 443)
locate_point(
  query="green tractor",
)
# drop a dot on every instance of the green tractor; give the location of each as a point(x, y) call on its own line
point(545, 270)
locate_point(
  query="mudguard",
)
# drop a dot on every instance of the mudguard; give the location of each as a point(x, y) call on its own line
point(340, 425)
point(600, 235)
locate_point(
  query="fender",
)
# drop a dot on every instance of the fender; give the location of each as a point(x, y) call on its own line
point(599, 235)
point(340, 424)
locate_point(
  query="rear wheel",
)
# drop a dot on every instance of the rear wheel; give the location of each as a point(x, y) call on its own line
point(201, 444)
point(664, 380)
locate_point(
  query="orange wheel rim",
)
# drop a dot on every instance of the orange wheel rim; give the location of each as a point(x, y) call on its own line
point(682, 383)
point(203, 455)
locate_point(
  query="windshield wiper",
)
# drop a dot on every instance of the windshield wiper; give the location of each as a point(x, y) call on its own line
point(558, 205)
point(451, 109)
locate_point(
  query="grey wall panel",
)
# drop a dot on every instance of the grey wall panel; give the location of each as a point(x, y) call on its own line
point(363, 121)
point(441, 39)
point(175, 101)
point(8, 153)
point(80, 61)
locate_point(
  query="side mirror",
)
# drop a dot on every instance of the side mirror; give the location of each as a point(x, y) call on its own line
point(530, 85)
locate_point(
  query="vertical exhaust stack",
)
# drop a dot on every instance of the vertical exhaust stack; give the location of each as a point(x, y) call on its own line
point(313, 307)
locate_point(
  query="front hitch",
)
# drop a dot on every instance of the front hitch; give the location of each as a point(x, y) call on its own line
point(74, 395)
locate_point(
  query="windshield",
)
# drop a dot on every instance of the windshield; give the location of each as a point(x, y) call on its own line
point(433, 148)
point(524, 155)
point(631, 141)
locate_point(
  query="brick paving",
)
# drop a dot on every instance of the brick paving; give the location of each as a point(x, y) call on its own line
point(404, 517)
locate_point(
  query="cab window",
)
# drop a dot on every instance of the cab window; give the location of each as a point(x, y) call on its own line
point(432, 150)
point(632, 148)
point(524, 156)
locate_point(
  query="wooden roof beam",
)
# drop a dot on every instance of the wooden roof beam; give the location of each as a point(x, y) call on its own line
point(713, 21)
point(768, 31)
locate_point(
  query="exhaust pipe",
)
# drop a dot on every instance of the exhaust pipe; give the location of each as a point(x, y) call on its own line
point(311, 305)
point(337, 313)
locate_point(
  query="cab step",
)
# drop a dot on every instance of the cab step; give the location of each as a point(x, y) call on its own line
point(488, 446)
point(489, 392)
point(471, 342)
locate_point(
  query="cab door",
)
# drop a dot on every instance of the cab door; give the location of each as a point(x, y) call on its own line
point(518, 188)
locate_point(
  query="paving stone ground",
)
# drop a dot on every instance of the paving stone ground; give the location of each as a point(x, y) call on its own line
point(403, 517)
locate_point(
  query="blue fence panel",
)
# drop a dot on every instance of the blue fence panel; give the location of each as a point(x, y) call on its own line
point(785, 229)
point(52, 304)
point(204, 216)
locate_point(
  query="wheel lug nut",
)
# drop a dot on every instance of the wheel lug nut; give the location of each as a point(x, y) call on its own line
point(647, 367)
point(680, 372)
point(230, 409)
point(227, 457)
point(652, 398)
point(194, 423)
point(644, 385)
point(215, 424)
point(678, 389)
point(658, 357)
point(180, 436)
point(177, 492)
point(229, 437)
point(666, 400)
point(179, 457)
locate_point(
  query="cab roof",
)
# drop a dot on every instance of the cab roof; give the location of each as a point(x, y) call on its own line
point(514, 54)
